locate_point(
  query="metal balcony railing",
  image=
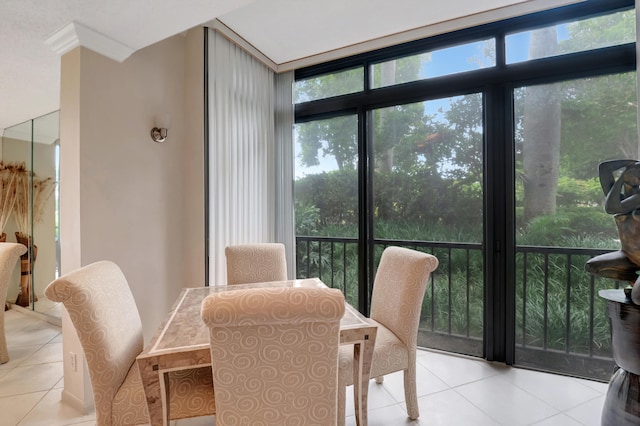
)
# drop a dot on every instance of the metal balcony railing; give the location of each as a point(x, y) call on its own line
point(561, 324)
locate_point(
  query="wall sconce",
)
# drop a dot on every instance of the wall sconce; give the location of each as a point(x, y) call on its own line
point(159, 132)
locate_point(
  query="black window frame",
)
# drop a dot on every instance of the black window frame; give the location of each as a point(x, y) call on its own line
point(497, 84)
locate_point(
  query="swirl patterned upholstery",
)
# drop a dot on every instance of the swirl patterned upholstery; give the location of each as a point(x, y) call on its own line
point(254, 263)
point(274, 355)
point(9, 255)
point(105, 316)
point(396, 304)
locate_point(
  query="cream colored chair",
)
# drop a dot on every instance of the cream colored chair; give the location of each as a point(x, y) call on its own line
point(253, 263)
point(9, 255)
point(274, 354)
point(105, 316)
point(396, 303)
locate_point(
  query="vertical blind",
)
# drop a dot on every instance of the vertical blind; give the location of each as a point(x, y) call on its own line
point(284, 118)
point(247, 171)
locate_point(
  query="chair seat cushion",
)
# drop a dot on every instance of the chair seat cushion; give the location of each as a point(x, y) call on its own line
point(390, 355)
point(190, 393)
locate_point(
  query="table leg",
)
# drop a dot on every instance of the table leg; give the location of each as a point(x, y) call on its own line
point(152, 389)
point(360, 383)
point(362, 356)
point(166, 405)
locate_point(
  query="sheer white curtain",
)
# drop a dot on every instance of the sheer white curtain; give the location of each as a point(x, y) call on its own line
point(248, 180)
point(285, 166)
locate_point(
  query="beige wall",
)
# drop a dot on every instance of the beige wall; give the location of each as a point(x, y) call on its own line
point(124, 197)
point(135, 194)
point(194, 160)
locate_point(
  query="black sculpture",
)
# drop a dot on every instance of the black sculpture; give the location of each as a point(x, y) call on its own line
point(622, 406)
point(622, 199)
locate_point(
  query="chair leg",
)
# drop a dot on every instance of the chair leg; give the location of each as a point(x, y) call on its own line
point(411, 392)
point(4, 355)
point(4, 352)
point(342, 397)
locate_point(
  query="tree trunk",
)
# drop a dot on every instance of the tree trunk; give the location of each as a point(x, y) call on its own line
point(384, 159)
point(541, 147)
point(388, 78)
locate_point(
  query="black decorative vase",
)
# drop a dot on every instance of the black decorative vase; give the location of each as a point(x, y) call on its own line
point(622, 403)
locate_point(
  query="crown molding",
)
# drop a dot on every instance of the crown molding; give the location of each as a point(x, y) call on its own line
point(75, 34)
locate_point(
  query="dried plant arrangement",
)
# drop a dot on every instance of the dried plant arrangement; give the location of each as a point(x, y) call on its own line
point(9, 173)
point(41, 188)
point(8, 181)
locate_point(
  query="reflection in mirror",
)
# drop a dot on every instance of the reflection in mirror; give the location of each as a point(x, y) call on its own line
point(31, 151)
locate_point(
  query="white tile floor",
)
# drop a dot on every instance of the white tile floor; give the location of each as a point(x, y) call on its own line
point(452, 390)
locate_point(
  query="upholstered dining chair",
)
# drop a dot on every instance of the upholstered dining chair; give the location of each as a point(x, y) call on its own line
point(105, 316)
point(274, 354)
point(9, 255)
point(396, 304)
point(252, 263)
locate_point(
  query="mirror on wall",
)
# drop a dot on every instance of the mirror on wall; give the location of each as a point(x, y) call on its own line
point(30, 161)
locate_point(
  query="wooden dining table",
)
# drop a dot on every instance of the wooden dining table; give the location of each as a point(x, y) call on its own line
point(182, 342)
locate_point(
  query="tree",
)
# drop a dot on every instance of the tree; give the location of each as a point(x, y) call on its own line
point(599, 113)
point(337, 137)
point(541, 147)
point(599, 123)
point(595, 118)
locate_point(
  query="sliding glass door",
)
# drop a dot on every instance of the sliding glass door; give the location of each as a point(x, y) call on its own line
point(326, 202)
point(563, 131)
point(428, 190)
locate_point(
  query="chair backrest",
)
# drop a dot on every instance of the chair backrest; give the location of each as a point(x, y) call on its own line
point(105, 316)
point(253, 263)
point(9, 254)
point(274, 354)
point(398, 291)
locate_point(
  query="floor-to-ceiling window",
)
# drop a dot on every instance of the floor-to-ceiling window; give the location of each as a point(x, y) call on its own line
point(427, 185)
point(480, 147)
point(326, 200)
point(563, 131)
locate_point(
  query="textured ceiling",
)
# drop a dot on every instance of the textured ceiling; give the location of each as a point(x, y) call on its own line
point(283, 30)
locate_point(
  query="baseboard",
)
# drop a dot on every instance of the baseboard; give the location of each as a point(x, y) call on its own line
point(84, 407)
point(48, 318)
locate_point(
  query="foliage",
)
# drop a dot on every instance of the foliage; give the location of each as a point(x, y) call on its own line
point(334, 137)
point(567, 227)
point(328, 85)
point(453, 303)
point(599, 123)
point(577, 192)
point(307, 218)
point(556, 311)
point(334, 195)
point(593, 33)
point(334, 263)
point(599, 114)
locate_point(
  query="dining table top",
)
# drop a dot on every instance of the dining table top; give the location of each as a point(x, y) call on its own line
point(184, 329)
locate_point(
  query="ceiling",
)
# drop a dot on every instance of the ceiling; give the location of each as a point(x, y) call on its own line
point(289, 33)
